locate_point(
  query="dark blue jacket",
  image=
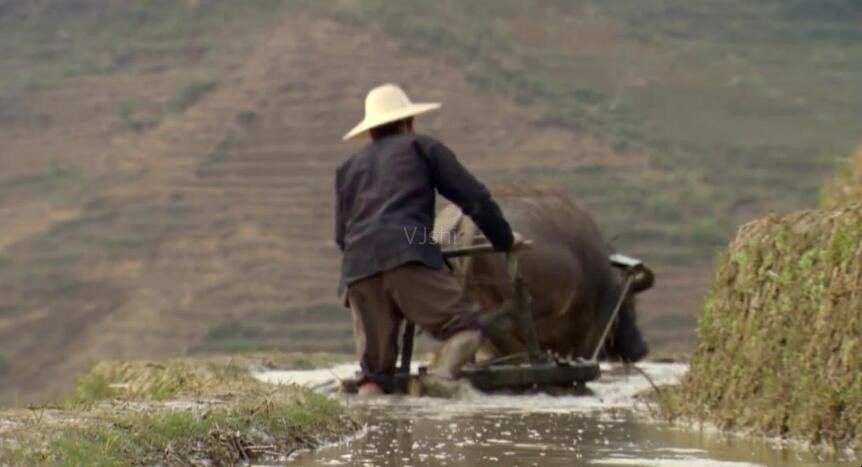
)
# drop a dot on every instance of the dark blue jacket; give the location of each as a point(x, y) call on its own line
point(385, 205)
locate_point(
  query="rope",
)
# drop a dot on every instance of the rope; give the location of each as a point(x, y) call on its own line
point(613, 318)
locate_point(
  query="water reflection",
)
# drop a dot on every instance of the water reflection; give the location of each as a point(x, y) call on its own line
point(477, 430)
point(543, 439)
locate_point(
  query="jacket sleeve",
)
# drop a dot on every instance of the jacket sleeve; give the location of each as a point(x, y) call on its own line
point(339, 213)
point(455, 183)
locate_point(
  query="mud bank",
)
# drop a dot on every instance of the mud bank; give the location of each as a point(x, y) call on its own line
point(781, 333)
point(179, 412)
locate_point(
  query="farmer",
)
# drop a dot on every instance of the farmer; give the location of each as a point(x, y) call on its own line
point(383, 220)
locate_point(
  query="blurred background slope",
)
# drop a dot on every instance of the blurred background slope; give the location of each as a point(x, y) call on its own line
point(165, 166)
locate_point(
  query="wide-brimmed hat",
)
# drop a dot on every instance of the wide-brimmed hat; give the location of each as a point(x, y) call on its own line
point(386, 104)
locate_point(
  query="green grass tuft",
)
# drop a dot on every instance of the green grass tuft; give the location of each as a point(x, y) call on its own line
point(157, 381)
point(178, 412)
point(255, 428)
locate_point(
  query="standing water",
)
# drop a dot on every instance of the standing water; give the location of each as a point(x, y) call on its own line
point(609, 428)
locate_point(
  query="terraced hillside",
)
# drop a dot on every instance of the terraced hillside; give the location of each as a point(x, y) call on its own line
point(171, 192)
point(95, 244)
point(229, 212)
point(274, 171)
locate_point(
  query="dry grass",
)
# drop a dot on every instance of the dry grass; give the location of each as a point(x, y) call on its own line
point(846, 186)
point(781, 332)
point(158, 381)
point(214, 376)
point(178, 412)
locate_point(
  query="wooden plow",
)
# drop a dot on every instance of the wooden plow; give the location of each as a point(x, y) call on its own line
point(532, 370)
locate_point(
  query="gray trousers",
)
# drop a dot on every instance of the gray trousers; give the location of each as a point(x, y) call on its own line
point(433, 299)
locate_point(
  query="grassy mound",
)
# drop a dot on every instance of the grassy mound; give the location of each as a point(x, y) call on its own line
point(781, 334)
point(158, 381)
point(209, 377)
point(179, 412)
point(846, 187)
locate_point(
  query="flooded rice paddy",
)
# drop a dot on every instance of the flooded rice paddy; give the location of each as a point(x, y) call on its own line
point(609, 428)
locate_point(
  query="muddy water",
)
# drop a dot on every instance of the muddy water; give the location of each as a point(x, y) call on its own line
point(609, 428)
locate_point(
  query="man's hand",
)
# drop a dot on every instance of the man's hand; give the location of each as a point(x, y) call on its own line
point(514, 255)
point(517, 240)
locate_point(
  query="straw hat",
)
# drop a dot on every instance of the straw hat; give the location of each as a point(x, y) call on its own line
point(386, 104)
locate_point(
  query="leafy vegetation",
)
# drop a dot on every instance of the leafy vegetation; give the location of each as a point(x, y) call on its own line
point(781, 331)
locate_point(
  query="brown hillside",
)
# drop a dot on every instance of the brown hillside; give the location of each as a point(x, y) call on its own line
point(226, 209)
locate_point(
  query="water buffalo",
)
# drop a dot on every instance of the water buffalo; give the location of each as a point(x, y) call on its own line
point(573, 286)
